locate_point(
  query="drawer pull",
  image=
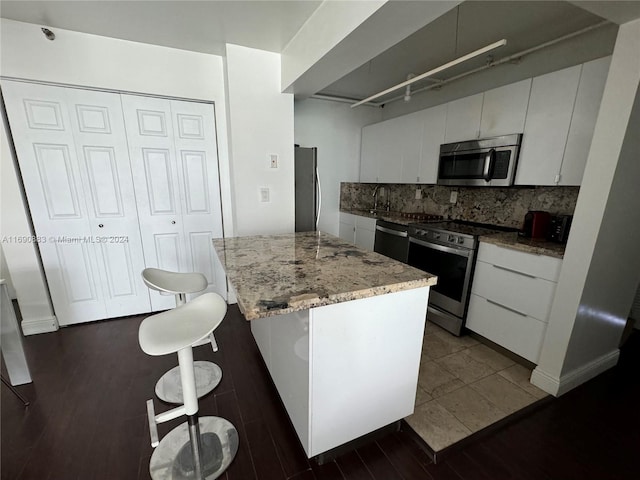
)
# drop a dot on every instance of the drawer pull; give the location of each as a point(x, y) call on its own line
point(507, 308)
point(513, 271)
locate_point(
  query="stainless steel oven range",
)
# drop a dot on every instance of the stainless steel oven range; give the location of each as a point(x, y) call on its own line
point(448, 250)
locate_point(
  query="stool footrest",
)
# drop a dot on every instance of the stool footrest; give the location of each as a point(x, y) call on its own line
point(170, 414)
point(153, 427)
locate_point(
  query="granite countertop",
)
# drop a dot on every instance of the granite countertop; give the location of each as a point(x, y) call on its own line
point(276, 274)
point(528, 245)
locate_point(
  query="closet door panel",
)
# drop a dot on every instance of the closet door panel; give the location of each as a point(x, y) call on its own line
point(196, 154)
point(156, 181)
point(101, 145)
point(42, 131)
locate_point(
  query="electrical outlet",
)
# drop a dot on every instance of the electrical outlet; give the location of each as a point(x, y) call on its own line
point(273, 158)
point(454, 197)
point(264, 194)
point(418, 193)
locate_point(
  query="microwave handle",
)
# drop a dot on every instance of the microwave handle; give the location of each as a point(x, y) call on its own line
point(489, 161)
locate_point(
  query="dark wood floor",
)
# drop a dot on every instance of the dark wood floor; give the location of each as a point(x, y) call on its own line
point(87, 419)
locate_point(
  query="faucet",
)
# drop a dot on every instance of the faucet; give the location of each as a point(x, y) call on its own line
point(375, 198)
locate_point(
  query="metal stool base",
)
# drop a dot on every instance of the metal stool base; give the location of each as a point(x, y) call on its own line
point(172, 459)
point(169, 387)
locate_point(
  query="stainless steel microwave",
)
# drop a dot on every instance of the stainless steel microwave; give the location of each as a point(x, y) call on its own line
point(490, 162)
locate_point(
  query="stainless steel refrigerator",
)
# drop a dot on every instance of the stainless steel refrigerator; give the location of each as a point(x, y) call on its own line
point(308, 195)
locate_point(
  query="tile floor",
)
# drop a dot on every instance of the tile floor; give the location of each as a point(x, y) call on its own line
point(465, 386)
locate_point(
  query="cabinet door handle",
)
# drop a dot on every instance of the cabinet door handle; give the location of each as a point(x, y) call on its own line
point(173, 222)
point(499, 267)
point(507, 308)
point(100, 225)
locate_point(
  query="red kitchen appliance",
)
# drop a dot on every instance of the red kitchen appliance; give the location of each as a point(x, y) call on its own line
point(536, 224)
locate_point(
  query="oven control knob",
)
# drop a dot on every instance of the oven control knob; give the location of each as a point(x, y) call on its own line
point(451, 238)
point(436, 236)
point(460, 240)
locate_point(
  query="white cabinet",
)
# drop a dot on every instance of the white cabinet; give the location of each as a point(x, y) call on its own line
point(504, 109)
point(358, 230)
point(560, 121)
point(547, 126)
point(583, 120)
point(463, 119)
point(347, 227)
point(403, 149)
point(511, 298)
point(433, 128)
point(500, 111)
point(380, 158)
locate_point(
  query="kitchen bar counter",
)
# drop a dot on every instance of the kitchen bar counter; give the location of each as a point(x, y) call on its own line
point(527, 245)
point(280, 274)
point(339, 328)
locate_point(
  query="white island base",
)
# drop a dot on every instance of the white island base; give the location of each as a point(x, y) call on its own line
point(347, 369)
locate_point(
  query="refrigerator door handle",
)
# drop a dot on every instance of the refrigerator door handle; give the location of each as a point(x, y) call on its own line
point(319, 197)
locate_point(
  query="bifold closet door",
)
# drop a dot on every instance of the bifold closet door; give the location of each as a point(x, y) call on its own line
point(74, 163)
point(175, 170)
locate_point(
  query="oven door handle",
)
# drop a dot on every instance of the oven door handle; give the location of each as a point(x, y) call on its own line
point(442, 248)
point(489, 161)
point(397, 233)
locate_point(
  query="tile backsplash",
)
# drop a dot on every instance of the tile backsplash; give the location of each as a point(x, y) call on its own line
point(496, 206)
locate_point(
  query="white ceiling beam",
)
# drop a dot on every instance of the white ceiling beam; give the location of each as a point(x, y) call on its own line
point(328, 46)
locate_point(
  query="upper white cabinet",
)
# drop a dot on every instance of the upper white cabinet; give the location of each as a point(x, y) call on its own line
point(463, 119)
point(583, 121)
point(433, 126)
point(380, 157)
point(547, 126)
point(555, 112)
point(403, 149)
point(504, 109)
point(560, 121)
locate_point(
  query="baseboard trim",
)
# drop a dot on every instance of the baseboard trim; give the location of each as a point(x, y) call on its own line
point(570, 380)
point(40, 325)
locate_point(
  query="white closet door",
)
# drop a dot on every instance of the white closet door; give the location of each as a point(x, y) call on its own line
point(196, 154)
point(101, 146)
point(157, 186)
point(42, 133)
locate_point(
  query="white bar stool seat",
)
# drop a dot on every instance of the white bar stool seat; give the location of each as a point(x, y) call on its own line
point(203, 447)
point(208, 374)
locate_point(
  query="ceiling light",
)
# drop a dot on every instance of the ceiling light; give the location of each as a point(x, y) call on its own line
point(457, 61)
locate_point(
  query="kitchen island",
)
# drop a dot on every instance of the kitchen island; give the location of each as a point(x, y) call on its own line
point(339, 328)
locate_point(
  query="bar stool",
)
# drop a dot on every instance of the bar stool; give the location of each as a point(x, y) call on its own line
point(211, 443)
point(208, 374)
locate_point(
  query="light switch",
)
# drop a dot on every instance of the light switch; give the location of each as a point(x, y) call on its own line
point(273, 158)
point(264, 194)
point(418, 193)
point(454, 197)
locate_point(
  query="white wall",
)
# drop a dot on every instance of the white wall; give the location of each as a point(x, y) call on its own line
point(75, 58)
point(335, 129)
point(601, 266)
point(261, 123)
point(589, 46)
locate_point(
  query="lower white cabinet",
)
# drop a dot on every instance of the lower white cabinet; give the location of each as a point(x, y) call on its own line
point(358, 230)
point(511, 298)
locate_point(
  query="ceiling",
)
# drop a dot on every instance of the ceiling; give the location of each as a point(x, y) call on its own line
point(205, 26)
point(462, 30)
point(200, 26)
